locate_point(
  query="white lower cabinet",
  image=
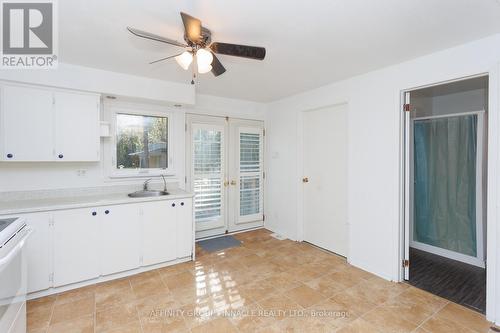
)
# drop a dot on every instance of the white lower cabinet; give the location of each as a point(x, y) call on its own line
point(185, 235)
point(119, 227)
point(38, 252)
point(76, 245)
point(159, 239)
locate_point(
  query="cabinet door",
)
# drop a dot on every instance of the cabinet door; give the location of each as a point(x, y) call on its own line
point(38, 250)
point(185, 238)
point(159, 231)
point(119, 235)
point(76, 127)
point(76, 247)
point(27, 124)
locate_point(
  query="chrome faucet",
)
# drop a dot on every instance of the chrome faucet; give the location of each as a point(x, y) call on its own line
point(146, 183)
point(164, 183)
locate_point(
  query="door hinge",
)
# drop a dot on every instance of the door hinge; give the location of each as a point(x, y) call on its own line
point(263, 217)
point(406, 107)
point(264, 175)
point(51, 221)
point(51, 277)
point(406, 263)
point(185, 179)
point(186, 127)
point(263, 132)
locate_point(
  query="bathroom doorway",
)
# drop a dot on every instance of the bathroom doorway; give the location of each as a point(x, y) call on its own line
point(445, 190)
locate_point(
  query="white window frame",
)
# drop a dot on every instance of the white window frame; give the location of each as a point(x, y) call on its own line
point(256, 216)
point(114, 172)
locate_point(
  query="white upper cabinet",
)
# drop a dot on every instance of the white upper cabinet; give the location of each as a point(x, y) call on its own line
point(26, 124)
point(76, 126)
point(42, 124)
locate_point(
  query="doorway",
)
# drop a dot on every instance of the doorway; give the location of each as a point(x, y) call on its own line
point(445, 190)
point(225, 171)
point(325, 178)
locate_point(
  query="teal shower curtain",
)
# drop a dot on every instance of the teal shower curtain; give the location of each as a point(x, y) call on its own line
point(445, 183)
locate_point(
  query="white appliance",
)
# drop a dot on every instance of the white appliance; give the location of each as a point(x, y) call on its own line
point(13, 274)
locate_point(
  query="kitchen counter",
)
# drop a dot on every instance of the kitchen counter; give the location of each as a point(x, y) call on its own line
point(17, 206)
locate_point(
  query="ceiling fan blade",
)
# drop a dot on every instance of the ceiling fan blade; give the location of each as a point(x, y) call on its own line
point(166, 58)
point(245, 51)
point(154, 37)
point(193, 27)
point(217, 68)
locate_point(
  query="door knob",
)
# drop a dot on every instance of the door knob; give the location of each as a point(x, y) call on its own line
point(305, 180)
point(233, 182)
point(226, 183)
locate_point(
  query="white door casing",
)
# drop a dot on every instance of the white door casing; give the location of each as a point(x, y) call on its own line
point(215, 173)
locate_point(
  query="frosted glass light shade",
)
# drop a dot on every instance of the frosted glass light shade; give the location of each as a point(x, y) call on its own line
point(204, 58)
point(184, 60)
point(204, 69)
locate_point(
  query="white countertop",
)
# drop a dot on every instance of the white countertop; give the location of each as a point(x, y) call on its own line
point(10, 207)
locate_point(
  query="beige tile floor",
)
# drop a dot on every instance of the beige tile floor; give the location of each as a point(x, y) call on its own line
point(266, 285)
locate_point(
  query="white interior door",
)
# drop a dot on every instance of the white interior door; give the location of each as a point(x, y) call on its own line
point(208, 179)
point(246, 192)
point(325, 178)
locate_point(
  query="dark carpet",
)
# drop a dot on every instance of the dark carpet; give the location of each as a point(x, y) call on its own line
point(454, 280)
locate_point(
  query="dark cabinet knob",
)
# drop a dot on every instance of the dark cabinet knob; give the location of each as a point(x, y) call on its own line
point(173, 205)
point(60, 155)
point(106, 211)
point(94, 213)
point(10, 155)
point(182, 203)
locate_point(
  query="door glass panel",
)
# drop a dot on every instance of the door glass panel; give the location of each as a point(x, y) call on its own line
point(250, 173)
point(208, 174)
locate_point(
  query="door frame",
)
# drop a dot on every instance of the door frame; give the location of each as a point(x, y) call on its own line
point(216, 121)
point(300, 170)
point(229, 146)
point(255, 220)
point(492, 181)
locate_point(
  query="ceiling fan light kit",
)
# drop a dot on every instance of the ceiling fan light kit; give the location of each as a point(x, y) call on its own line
point(184, 59)
point(199, 44)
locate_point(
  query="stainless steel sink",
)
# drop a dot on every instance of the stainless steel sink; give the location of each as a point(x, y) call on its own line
point(147, 193)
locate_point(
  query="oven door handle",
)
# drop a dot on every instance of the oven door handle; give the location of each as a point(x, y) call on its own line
point(5, 260)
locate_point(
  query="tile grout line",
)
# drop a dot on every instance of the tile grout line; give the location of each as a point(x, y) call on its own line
point(433, 314)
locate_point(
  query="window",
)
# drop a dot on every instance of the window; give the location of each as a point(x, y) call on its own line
point(141, 143)
point(250, 173)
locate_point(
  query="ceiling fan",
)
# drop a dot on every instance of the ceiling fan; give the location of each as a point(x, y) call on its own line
point(199, 45)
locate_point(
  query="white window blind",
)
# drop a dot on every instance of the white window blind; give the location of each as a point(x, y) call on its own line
point(250, 173)
point(208, 174)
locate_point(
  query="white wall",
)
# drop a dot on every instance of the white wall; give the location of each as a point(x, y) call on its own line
point(375, 153)
point(133, 92)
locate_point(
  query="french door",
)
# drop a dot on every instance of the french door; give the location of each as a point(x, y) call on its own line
point(225, 171)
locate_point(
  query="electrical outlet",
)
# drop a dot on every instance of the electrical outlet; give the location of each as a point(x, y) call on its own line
point(81, 173)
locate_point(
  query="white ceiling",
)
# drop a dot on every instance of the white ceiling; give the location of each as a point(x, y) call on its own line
point(309, 43)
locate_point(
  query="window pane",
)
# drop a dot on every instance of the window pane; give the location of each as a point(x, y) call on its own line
point(141, 142)
point(208, 173)
point(249, 195)
point(250, 173)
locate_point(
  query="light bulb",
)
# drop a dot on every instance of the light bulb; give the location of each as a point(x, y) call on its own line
point(204, 69)
point(204, 58)
point(184, 60)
